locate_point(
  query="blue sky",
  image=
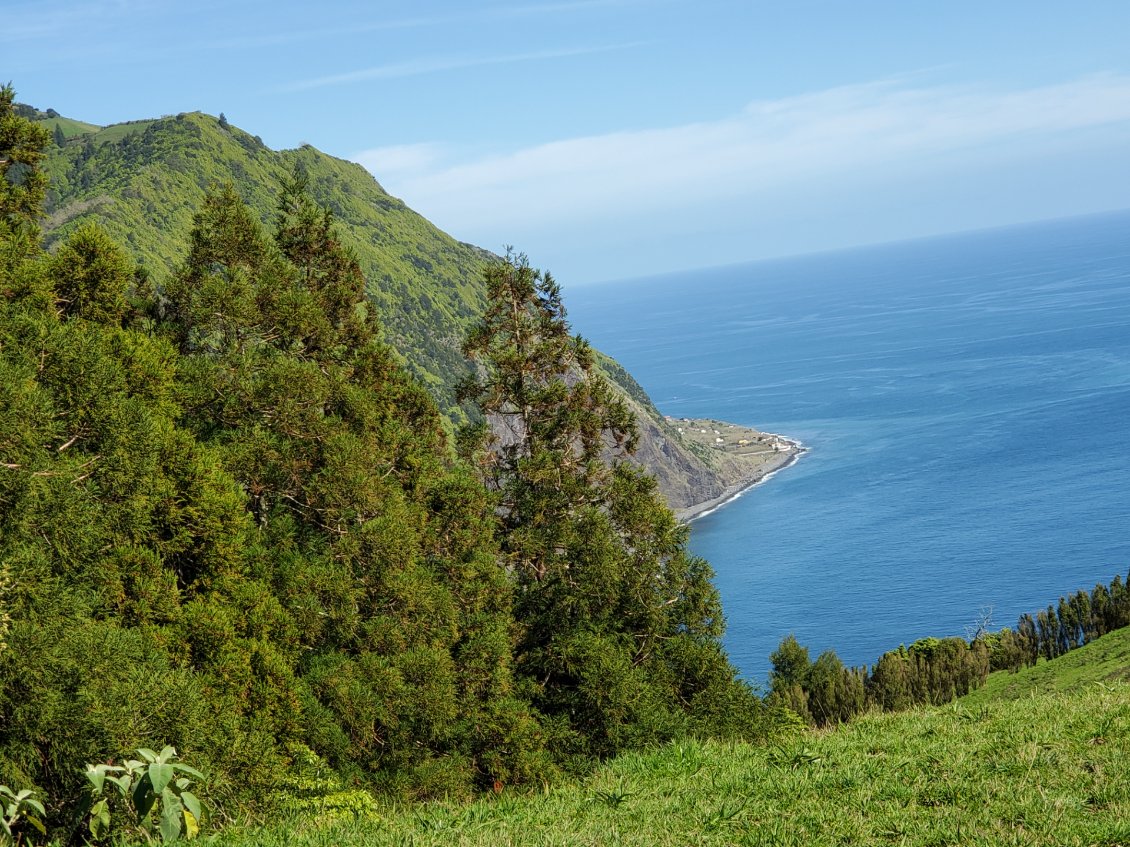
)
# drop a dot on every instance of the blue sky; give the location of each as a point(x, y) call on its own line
point(618, 138)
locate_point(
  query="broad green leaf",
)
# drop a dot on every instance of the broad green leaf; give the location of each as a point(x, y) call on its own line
point(37, 824)
point(99, 819)
point(36, 805)
point(167, 752)
point(147, 754)
point(191, 803)
point(160, 774)
point(143, 797)
point(97, 776)
point(191, 827)
point(171, 816)
point(23, 795)
point(123, 782)
point(191, 771)
point(7, 829)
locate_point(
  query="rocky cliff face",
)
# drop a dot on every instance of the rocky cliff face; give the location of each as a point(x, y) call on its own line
point(684, 477)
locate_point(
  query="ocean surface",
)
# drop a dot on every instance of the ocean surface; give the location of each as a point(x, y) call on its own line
point(966, 405)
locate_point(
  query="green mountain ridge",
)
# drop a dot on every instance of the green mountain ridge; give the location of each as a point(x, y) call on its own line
point(143, 180)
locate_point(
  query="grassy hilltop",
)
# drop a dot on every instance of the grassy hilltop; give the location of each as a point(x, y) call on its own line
point(1036, 758)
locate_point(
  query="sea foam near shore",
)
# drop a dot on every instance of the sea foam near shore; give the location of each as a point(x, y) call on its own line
point(758, 477)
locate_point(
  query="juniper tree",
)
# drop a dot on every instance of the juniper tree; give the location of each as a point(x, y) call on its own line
point(787, 679)
point(376, 547)
point(22, 144)
point(23, 186)
point(620, 624)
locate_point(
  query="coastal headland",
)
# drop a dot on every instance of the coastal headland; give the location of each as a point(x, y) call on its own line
point(743, 457)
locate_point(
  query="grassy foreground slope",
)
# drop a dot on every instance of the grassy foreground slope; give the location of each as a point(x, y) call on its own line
point(1046, 769)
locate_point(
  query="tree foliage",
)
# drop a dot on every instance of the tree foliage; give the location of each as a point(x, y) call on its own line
point(933, 670)
point(22, 149)
point(229, 522)
point(620, 625)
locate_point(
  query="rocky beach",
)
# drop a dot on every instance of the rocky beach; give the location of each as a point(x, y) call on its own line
point(743, 457)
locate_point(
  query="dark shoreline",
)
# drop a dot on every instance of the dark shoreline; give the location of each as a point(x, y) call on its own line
point(737, 489)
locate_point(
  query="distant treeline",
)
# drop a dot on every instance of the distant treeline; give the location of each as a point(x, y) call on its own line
point(1075, 621)
point(933, 670)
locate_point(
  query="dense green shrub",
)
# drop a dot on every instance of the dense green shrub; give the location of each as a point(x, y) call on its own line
point(231, 524)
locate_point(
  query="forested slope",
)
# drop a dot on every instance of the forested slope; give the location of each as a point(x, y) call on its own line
point(232, 524)
point(143, 180)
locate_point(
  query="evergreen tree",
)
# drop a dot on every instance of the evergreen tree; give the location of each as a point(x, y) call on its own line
point(22, 183)
point(91, 276)
point(1068, 626)
point(112, 521)
point(1047, 625)
point(1084, 620)
point(835, 695)
point(377, 549)
point(1029, 638)
point(788, 677)
point(60, 136)
point(1119, 614)
point(23, 186)
point(620, 624)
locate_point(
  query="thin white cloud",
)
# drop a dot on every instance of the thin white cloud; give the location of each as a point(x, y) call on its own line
point(802, 140)
point(274, 39)
point(38, 20)
point(464, 18)
point(439, 64)
point(403, 160)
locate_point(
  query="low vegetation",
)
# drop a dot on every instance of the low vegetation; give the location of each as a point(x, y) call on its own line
point(1048, 768)
point(934, 671)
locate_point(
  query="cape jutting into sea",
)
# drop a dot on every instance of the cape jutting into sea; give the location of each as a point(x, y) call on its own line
point(965, 401)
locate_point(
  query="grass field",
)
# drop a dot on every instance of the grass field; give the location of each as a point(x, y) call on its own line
point(70, 127)
point(1105, 660)
point(1042, 758)
point(117, 132)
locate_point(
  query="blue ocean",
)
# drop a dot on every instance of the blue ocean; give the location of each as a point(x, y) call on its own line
point(965, 402)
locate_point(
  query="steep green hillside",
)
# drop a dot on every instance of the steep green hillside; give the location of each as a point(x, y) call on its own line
point(1103, 661)
point(71, 128)
point(1051, 769)
point(143, 180)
